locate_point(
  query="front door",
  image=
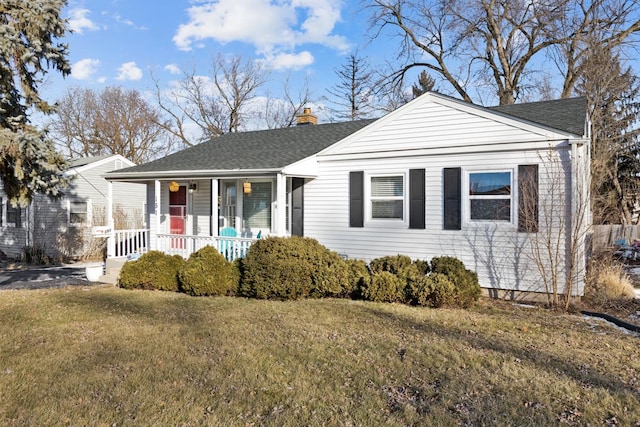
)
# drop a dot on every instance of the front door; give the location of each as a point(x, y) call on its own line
point(178, 215)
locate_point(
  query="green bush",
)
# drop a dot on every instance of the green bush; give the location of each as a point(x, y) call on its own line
point(401, 266)
point(434, 290)
point(359, 275)
point(383, 286)
point(292, 268)
point(466, 281)
point(207, 272)
point(153, 270)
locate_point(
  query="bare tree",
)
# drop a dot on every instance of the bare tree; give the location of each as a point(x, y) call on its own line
point(114, 121)
point(493, 43)
point(553, 223)
point(213, 105)
point(352, 95)
point(282, 112)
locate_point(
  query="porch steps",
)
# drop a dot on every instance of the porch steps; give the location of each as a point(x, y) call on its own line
point(112, 270)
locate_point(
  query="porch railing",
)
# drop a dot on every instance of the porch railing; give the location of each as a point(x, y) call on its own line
point(182, 244)
point(128, 242)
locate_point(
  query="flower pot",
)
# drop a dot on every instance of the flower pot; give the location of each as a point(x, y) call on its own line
point(94, 271)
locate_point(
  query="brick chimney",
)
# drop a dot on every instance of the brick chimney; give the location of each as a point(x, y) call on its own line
point(306, 118)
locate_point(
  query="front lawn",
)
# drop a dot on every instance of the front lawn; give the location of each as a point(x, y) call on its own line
point(108, 356)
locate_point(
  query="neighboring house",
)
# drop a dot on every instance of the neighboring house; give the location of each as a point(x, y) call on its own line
point(436, 177)
point(63, 226)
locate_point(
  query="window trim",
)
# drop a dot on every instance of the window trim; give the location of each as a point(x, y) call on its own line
point(387, 222)
point(6, 205)
point(467, 197)
point(88, 221)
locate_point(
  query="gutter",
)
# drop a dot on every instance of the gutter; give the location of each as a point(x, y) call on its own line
point(112, 176)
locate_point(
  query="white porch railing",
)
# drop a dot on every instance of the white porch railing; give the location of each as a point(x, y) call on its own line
point(181, 244)
point(128, 242)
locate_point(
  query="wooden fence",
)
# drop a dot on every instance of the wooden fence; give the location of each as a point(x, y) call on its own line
point(605, 236)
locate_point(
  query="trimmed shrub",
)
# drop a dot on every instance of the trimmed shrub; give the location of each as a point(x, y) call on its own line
point(291, 268)
point(207, 272)
point(434, 290)
point(465, 281)
point(153, 270)
point(401, 266)
point(359, 275)
point(383, 286)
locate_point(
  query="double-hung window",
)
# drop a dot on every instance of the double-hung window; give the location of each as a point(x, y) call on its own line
point(79, 212)
point(14, 217)
point(387, 197)
point(490, 196)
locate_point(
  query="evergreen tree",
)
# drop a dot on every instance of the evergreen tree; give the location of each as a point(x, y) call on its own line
point(29, 47)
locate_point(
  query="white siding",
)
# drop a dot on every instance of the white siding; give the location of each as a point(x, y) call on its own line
point(496, 251)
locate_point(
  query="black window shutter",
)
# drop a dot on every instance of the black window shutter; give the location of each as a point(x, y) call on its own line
point(452, 212)
point(356, 199)
point(416, 199)
point(528, 198)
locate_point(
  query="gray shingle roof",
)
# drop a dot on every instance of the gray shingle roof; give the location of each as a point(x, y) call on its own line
point(257, 150)
point(268, 150)
point(567, 115)
point(82, 161)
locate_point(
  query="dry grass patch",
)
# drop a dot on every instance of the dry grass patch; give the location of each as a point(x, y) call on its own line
point(105, 356)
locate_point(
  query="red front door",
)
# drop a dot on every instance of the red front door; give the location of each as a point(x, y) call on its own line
point(178, 215)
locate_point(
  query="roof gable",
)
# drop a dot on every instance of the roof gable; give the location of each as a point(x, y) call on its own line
point(435, 121)
point(83, 164)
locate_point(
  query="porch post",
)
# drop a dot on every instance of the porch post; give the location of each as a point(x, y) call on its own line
point(281, 205)
point(111, 240)
point(214, 208)
point(156, 209)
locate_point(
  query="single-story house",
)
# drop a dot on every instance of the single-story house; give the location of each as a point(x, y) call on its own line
point(63, 227)
point(499, 188)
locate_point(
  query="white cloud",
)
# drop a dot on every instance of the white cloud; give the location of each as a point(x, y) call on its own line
point(79, 21)
point(129, 71)
point(291, 60)
point(269, 25)
point(85, 68)
point(172, 68)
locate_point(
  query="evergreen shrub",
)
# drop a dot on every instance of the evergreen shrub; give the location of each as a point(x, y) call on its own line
point(207, 272)
point(290, 268)
point(383, 286)
point(359, 276)
point(434, 290)
point(153, 270)
point(465, 281)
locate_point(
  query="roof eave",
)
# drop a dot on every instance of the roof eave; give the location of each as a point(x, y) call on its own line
point(115, 175)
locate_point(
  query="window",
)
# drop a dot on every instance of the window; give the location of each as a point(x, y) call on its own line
point(14, 217)
point(490, 196)
point(256, 206)
point(387, 197)
point(78, 213)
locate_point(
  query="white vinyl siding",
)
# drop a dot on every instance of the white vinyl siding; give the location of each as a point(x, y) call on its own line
point(433, 137)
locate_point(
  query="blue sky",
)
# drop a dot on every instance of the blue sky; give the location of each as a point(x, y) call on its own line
point(121, 42)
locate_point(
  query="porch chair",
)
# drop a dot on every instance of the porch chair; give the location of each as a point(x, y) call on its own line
point(227, 247)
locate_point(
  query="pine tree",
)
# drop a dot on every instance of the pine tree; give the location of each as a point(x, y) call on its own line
point(29, 47)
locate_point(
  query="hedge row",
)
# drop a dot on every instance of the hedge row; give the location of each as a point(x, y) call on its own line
point(298, 267)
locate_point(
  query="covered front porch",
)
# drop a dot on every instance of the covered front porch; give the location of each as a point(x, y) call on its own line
point(230, 213)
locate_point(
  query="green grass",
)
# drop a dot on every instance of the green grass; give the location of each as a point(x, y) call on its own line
point(107, 356)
